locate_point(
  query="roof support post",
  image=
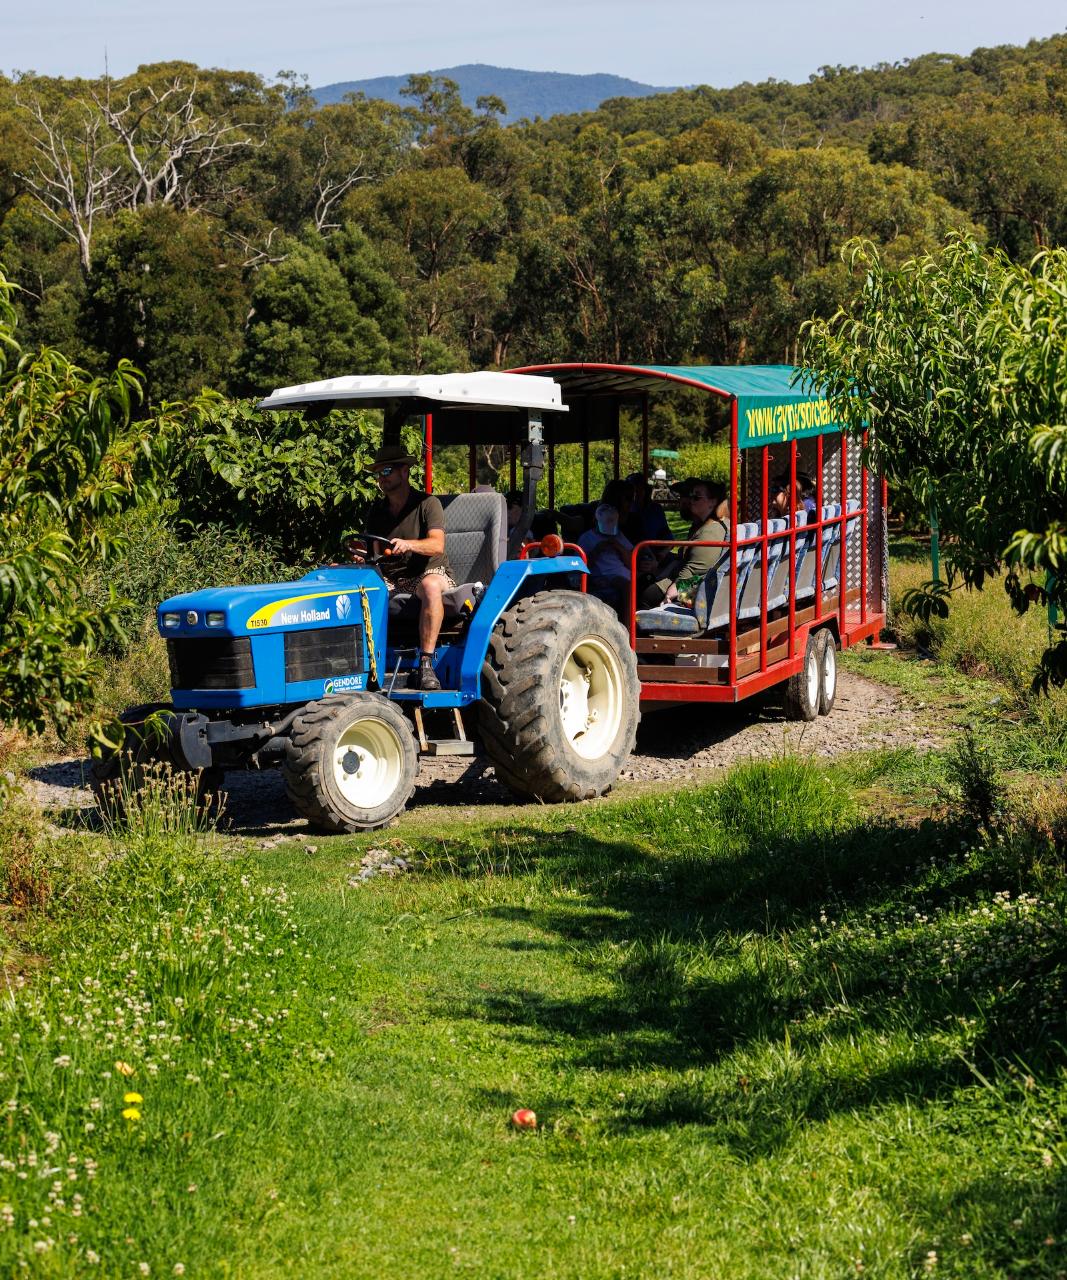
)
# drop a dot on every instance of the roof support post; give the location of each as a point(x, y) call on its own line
point(644, 436)
point(533, 465)
point(732, 659)
point(793, 551)
point(427, 446)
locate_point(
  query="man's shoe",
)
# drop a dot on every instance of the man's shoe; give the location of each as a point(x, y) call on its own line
point(426, 678)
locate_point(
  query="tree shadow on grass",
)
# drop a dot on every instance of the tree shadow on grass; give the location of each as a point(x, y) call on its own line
point(736, 956)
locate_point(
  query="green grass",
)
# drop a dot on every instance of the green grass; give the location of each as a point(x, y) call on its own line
point(764, 1032)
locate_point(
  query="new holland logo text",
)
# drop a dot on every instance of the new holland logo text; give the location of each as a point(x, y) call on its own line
point(313, 607)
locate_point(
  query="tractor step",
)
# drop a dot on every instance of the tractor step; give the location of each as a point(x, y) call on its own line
point(460, 745)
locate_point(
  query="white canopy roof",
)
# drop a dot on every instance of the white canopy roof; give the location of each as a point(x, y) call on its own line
point(454, 390)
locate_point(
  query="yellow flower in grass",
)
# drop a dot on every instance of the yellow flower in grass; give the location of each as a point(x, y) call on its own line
point(132, 1099)
point(131, 1114)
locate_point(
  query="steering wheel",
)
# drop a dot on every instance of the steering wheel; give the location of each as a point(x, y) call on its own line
point(378, 548)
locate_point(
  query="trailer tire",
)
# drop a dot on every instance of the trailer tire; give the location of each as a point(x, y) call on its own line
point(802, 689)
point(827, 653)
point(115, 774)
point(350, 763)
point(560, 697)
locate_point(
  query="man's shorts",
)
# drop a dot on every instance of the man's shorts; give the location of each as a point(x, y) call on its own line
point(409, 584)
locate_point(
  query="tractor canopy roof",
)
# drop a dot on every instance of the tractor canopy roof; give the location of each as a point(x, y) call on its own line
point(424, 393)
point(773, 404)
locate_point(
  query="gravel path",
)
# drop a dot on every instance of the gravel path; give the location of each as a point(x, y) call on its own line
point(673, 745)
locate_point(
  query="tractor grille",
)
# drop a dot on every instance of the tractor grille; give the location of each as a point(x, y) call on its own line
point(216, 662)
point(318, 655)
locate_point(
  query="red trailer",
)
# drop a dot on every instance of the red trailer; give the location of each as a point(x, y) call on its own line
point(787, 593)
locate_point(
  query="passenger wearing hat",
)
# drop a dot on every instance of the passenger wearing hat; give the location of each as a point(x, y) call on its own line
point(413, 524)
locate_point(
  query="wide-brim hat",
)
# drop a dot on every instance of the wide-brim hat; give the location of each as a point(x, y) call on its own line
point(392, 455)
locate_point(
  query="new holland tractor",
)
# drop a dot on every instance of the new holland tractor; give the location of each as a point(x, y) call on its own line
point(313, 675)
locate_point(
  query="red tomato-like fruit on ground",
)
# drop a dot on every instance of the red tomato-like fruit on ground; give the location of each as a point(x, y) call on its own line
point(524, 1118)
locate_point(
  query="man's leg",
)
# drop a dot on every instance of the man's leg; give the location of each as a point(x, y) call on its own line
point(432, 610)
point(431, 615)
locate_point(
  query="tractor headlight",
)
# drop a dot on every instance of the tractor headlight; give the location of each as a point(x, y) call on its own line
point(171, 620)
point(215, 619)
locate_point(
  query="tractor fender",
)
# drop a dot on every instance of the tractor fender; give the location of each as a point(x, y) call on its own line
point(508, 581)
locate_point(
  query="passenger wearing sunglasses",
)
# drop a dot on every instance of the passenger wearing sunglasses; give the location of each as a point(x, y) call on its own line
point(413, 523)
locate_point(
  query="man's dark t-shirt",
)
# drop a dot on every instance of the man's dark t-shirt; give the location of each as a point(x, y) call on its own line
point(421, 513)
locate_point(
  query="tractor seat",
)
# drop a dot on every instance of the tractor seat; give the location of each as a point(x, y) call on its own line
point(476, 544)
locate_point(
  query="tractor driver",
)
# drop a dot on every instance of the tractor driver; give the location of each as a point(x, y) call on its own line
point(413, 523)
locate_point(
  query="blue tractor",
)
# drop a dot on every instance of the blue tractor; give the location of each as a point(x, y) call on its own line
point(313, 675)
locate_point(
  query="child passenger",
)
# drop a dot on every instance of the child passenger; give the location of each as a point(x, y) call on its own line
point(607, 552)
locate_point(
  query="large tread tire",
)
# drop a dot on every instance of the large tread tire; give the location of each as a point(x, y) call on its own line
point(802, 689)
point(827, 653)
point(312, 775)
point(521, 715)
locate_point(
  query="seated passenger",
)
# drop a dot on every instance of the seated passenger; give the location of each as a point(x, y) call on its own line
point(683, 574)
point(543, 523)
point(779, 506)
point(413, 524)
point(514, 501)
point(647, 519)
point(607, 552)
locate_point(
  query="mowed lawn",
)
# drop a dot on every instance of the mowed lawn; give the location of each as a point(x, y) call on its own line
point(779, 1026)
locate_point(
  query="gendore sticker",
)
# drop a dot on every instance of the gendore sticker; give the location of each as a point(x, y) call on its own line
point(340, 683)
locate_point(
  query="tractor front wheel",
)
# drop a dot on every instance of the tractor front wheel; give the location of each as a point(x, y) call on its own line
point(350, 762)
point(560, 697)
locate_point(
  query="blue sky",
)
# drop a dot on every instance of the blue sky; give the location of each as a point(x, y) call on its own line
point(718, 42)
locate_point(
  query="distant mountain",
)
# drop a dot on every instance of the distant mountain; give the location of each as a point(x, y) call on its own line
point(527, 93)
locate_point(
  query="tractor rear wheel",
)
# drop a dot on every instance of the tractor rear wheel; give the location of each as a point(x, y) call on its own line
point(350, 762)
point(145, 749)
point(560, 697)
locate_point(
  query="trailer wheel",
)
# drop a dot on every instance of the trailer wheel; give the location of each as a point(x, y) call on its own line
point(802, 689)
point(350, 762)
point(827, 651)
point(560, 697)
point(115, 774)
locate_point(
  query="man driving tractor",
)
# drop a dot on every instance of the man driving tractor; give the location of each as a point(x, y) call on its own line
point(412, 525)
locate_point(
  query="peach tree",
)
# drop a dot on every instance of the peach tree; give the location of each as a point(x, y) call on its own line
point(957, 361)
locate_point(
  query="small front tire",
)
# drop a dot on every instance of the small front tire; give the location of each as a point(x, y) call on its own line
point(350, 763)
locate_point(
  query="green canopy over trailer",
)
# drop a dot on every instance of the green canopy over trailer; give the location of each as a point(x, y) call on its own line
point(776, 421)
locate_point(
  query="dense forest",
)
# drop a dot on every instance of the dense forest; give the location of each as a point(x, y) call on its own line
point(222, 231)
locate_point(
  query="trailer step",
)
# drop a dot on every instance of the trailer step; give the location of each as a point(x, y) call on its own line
point(460, 745)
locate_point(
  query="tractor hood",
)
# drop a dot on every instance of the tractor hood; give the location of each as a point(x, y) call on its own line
point(323, 598)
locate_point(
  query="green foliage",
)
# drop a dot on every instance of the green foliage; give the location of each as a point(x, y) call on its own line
point(955, 363)
point(974, 782)
point(165, 290)
point(326, 309)
point(161, 554)
point(277, 479)
point(71, 462)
